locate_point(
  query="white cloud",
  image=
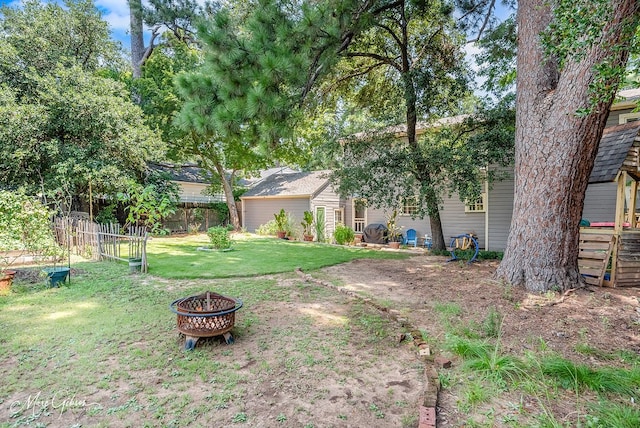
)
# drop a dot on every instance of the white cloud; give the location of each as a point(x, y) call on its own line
point(118, 7)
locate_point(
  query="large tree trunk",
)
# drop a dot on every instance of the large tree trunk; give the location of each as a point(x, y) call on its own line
point(555, 150)
point(227, 187)
point(437, 236)
point(137, 37)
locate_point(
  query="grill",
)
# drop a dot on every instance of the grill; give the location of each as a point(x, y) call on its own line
point(205, 315)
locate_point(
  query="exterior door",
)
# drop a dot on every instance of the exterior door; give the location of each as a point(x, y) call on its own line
point(359, 215)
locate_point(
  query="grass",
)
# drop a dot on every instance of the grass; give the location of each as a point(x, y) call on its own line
point(106, 346)
point(180, 258)
point(604, 396)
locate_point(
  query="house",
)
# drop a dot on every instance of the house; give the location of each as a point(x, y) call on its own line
point(192, 182)
point(295, 192)
point(489, 218)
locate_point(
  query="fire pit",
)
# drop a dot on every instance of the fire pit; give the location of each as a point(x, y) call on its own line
point(205, 315)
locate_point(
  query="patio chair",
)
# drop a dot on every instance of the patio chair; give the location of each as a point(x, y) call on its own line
point(411, 238)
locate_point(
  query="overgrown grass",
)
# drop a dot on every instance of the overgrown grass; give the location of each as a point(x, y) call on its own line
point(544, 375)
point(179, 258)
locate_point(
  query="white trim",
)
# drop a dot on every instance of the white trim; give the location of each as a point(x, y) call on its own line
point(624, 117)
point(277, 197)
point(353, 216)
point(486, 218)
point(468, 208)
point(341, 211)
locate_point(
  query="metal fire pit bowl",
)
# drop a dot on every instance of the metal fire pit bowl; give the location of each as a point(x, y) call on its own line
point(205, 315)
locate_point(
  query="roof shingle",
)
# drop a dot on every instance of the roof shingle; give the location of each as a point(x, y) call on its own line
point(614, 146)
point(292, 184)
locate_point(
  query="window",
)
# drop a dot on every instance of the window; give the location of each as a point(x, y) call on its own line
point(628, 117)
point(409, 207)
point(479, 206)
point(338, 216)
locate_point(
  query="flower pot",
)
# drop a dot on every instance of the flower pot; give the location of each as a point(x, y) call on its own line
point(308, 238)
point(135, 265)
point(394, 244)
point(6, 278)
point(56, 275)
point(281, 234)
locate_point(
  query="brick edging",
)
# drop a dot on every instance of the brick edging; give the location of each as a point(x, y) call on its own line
point(427, 411)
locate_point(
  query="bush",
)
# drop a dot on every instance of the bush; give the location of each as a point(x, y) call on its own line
point(343, 234)
point(271, 227)
point(219, 237)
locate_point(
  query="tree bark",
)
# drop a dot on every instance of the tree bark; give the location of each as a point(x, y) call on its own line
point(137, 37)
point(227, 187)
point(555, 149)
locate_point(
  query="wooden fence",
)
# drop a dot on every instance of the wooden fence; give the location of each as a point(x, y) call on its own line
point(103, 241)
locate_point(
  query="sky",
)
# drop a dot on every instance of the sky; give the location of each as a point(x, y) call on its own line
point(116, 13)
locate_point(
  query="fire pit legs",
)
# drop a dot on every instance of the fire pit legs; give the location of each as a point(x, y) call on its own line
point(205, 315)
point(190, 343)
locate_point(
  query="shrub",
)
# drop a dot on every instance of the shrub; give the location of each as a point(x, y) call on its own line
point(269, 228)
point(219, 237)
point(343, 234)
point(289, 226)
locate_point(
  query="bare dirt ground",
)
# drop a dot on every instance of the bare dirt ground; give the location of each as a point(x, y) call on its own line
point(332, 376)
point(607, 319)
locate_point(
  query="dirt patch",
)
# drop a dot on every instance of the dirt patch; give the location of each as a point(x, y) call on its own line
point(432, 293)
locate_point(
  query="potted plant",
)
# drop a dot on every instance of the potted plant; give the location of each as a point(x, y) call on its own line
point(307, 224)
point(281, 224)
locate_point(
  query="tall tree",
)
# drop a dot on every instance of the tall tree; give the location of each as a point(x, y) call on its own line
point(409, 62)
point(63, 124)
point(565, 87)
point(175, 16)
point(241, 104)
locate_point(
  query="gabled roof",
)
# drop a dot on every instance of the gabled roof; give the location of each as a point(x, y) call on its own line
point(190, 173)
point(614, 146)
point(290, 185)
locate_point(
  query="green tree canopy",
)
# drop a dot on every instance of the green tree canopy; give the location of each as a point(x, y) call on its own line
point(63, 124)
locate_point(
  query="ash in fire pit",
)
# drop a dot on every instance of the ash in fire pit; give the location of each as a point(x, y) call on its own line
point(205, 315)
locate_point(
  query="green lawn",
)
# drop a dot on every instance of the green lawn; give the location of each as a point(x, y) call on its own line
point(104, 350)
point(179, 258)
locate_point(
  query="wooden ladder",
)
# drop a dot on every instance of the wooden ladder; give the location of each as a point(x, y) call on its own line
point(595, 251)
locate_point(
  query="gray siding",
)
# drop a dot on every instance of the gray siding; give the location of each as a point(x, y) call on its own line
point(455, 221)
point(600, 202)
point(500, 210)
point(614, 115)
point(421, 226)
point(260, 211)
point(330, 200)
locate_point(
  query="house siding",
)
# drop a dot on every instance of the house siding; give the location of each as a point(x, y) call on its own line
point(329, 199)
point(455, 221)
point(500, 211)
point(193, 192)
point(614, 116)
point(600, 202)
point(260, 211)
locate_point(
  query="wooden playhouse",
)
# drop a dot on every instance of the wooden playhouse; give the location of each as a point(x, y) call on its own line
point(610, 251)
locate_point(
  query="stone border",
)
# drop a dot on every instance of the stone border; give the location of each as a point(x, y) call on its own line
point(427, 411)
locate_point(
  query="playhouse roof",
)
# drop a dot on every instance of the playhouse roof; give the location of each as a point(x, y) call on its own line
point(615, 146)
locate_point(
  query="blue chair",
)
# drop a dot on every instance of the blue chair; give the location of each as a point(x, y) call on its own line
point(411, 238)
